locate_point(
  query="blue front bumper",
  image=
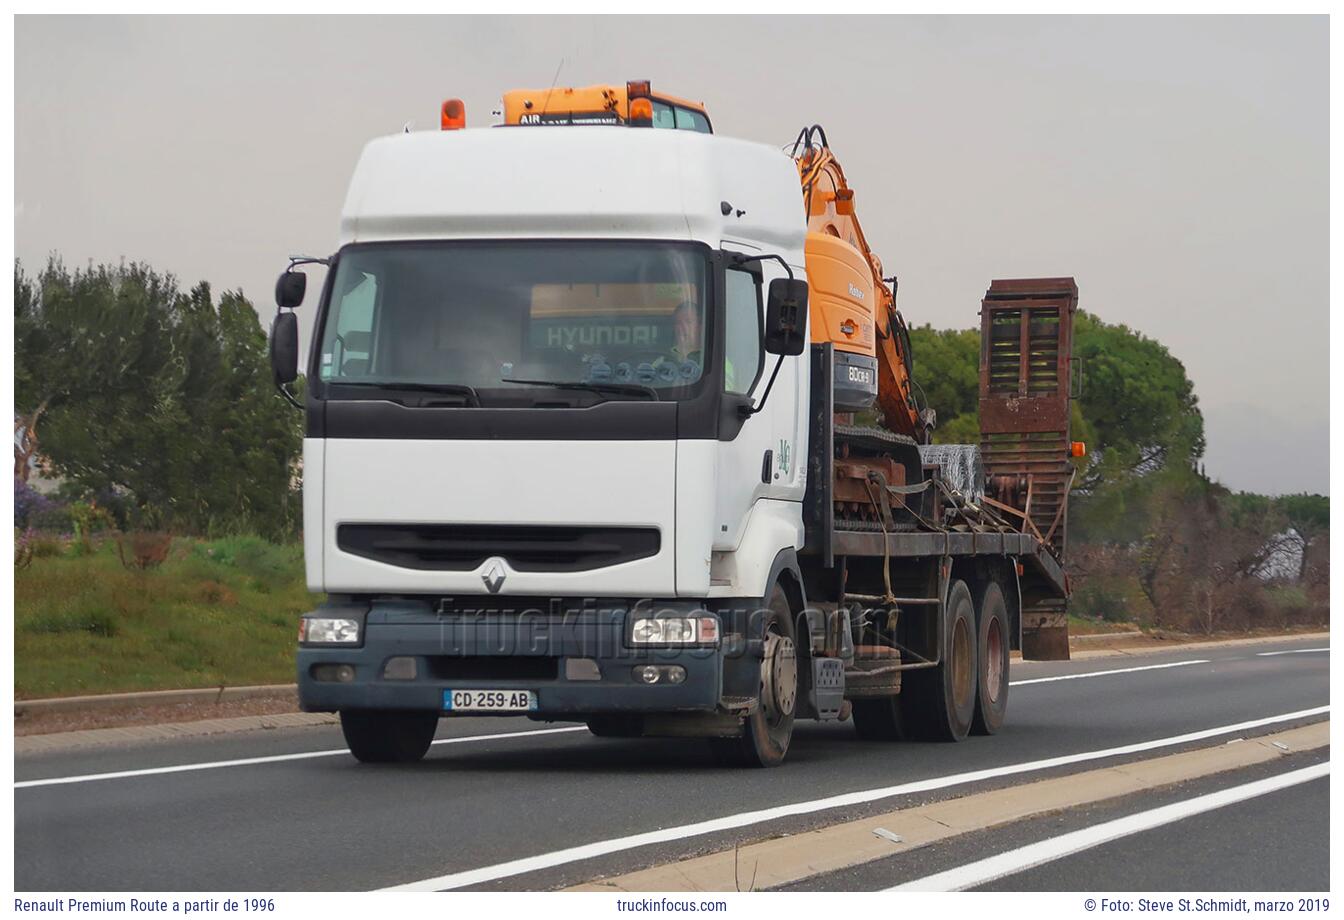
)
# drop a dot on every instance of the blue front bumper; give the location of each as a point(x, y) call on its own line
point(578, 663)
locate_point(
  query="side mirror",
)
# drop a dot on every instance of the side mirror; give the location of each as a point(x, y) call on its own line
point(786, 317)
point(285, 346)
point(289, 289)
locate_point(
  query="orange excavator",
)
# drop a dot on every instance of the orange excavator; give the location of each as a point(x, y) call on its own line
point(851, 304)
point(879, 473)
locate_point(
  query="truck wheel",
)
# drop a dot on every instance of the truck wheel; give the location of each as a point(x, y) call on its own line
point(880, 719)
point(766, 733)
point(618, 725)
point(991, 698)
point(940, 701)
point(388, 737)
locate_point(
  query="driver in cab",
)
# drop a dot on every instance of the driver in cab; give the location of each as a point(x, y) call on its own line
point(688, 348)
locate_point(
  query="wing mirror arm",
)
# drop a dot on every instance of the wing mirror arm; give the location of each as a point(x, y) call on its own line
point(284, 345)
point(785, 322)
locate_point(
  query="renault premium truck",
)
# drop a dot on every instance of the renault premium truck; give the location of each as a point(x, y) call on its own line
point(584, 442)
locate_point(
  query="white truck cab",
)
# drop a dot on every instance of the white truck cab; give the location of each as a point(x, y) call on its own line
point(542, 474)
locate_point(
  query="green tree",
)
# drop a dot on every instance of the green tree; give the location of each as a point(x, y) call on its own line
point(1137, 400)
point(156, 395)
point(947, 377)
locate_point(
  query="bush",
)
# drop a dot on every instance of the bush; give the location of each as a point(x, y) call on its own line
point(270, 565)
point(216, 593)
point(89, 519)
point(46, 546)
point(23, 548)
point(31, 508)
point(1100, 601)
point(143, 550)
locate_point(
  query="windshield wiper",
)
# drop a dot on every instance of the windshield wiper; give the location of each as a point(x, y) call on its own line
point(592, 386)
point(473, 398)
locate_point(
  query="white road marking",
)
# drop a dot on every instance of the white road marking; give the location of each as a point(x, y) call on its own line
point(1291, 651)
point(274, 758)
point(1023, 858)
point(281, 758)
point(1146, 667)
point(729, 822)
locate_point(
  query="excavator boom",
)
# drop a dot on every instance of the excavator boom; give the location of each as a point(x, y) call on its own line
point(852, 305)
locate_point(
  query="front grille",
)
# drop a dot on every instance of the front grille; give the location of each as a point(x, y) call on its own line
point(527, 548)
point(499, 667)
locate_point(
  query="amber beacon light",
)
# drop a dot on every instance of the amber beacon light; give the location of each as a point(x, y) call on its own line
point(453, 115)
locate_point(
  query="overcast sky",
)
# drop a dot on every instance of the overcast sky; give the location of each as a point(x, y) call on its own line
point(1177, 167)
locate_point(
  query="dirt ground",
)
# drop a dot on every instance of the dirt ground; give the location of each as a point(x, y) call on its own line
point(36, 722)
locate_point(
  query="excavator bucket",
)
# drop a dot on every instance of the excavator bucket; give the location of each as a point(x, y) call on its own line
point(1026, 360)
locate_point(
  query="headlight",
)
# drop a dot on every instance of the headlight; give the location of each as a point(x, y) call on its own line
point(329, 630)
point(675, 631)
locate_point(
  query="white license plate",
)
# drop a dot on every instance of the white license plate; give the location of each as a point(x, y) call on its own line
point(489, 700)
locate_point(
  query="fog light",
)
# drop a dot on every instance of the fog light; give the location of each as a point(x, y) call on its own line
point(647, 674)
point(334, 673)
point(401, 668)
point(675, 674)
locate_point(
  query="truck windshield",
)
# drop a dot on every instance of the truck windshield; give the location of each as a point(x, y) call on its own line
point(624, 318)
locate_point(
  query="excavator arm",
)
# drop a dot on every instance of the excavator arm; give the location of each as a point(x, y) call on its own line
point(852, 305)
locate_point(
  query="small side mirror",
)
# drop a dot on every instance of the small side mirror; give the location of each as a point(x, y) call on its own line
point(786, 317)
point(285, 346)
point(289, 289)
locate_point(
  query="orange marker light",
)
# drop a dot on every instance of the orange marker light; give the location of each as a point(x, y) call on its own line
point(641, 112)
point(636, 88)
point(453, 115)
point(1077, 449)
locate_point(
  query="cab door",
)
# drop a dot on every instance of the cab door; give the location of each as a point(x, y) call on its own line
point(762, 460)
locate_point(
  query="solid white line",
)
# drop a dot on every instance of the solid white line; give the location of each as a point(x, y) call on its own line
point(1146, 667)
point(274, 758)
point(280, 758)
point(729, 822)
point(1023, 858)
point(1291, 651)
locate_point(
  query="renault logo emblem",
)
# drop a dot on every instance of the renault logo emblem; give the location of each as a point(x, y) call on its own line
point(493, 576)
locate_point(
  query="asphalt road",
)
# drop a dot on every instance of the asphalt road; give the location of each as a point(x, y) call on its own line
point(1274, 842)
point(322, 821)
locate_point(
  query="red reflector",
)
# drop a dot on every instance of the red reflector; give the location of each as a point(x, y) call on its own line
point(709, 629)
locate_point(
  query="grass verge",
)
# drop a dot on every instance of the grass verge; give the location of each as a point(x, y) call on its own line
point(221, 612)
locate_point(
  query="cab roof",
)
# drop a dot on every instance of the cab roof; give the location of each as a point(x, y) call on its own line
point(575, 182)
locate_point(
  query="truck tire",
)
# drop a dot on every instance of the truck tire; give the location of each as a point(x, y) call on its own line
point(939, 703)
point(880, 719)
point(617, 725)
point(765, 735)
point(991, 696)
point(388, 737)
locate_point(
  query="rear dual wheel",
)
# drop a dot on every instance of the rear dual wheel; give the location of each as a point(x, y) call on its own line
point(938, 703)
point(991, 699)
point(966, 693)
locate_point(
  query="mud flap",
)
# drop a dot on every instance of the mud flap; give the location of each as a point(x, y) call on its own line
point(1045, 636)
